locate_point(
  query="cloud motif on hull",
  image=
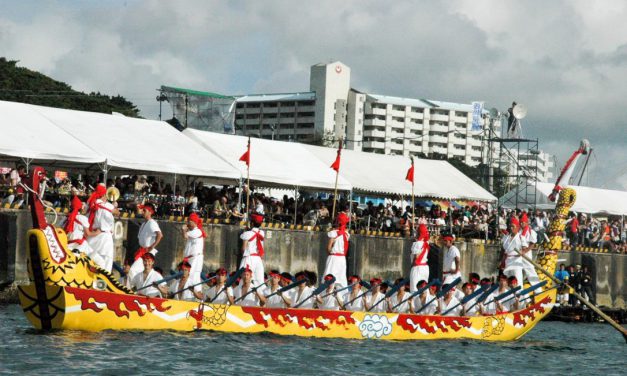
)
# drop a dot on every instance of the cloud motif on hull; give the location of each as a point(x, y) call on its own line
point(375, 326)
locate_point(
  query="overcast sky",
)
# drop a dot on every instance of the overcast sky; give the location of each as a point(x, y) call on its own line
point(565, 60)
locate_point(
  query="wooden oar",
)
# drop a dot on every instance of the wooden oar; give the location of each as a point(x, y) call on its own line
point(392, 291)
point(286, 288)
point(465, 299)
point(534, 295)
point(195, 284)
point(166, 279)
point(363, 284)
point(254, 289)
point(605, 317)
point(527, 290)
point(228, 283)
point(317, 291)
point(441, 293)
point(336, 291)
point(485, 295)
point(418, 292)
point(504, 295)
point(119, 269)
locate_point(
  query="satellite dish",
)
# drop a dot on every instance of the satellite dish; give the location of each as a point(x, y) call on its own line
point(494, 113)
point(519, 111)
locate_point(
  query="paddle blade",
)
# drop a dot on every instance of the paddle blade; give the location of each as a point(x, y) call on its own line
point(467, 298)
point(488, 292)
point(234, 277)
point(395, 288)
point(324, 286)
point(292, 285)
point(532, 288)
point(365, 284)
point(120, 270)
point(507, 293)
point(448, 287)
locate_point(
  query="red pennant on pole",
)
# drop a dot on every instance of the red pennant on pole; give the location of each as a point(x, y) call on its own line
point(336, 164)
point(246, 156)
point(410, 173)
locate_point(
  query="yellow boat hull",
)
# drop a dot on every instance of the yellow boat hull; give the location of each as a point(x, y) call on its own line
point(64, 307)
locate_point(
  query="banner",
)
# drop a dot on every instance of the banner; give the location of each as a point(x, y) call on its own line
point(477, 109)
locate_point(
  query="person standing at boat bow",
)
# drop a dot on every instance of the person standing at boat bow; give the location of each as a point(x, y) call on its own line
point(420, 255)
point(101, 224)
point(451, 260)
point(149, 236)
point(252, 249)
point(512, 244)
point(337, 249)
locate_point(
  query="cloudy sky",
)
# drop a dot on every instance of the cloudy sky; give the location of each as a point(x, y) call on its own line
point(565, 60)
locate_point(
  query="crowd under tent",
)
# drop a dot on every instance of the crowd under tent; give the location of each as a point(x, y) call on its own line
point(371, 173)
point(589, 200)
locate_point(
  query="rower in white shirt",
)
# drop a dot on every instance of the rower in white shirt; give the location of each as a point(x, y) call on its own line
point(490, 306)
point(401, 295)
point(147, 278)
point(149, 236)
point(452, 257)
point(280, 299)
point(332, 299)
point(509, 303)
point(224, 295)
point(194, 236)
point(470, 308)
point(426, 297)
point(374, 296)
point(302, 296)
point(188, 283)
point(449, 301)
point(351, 301)
point(244, 294)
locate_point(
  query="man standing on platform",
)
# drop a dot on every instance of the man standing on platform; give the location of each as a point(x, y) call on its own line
point(337, 249)
point(419, 255)
point(451, 269)
point(101, 224)
point(194, 237)
point(149, 237)
point(252, 249)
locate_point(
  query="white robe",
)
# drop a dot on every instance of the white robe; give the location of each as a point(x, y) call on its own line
point(194, 250)
point(336, 261)
point(452, 303)
point(418, 272)
point(187, 295)
point(513, 262)
point(371, 300)
point(251, 257)
point(430, 309)
point(152, 277)
point(251, 300)
point(303, 296)
point(77, 240)
point(147, 236)
point(102, 244)
point(330, 302)
point(449, 264)
point(276, 301)
point(222, 298)
point(404, 307)
point(356, 305)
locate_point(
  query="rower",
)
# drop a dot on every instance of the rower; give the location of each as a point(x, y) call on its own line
point(512, 243)
point(148, 277)
point(468, 289)
point(303, 293)
point(529, 238)
point(254, 299)
point(149, 236)
point(194, 237)
point(373, 296)
point(351, 303)
point(101, 224)
point(419, 257)
point(449, 301)
point(337, 249)
point(125, 280)
point(509, 303)
point(399, 297)
point(225, 295)
point(493, 307)
point(474, 280)
point(189, 283)
point(424, 298)
point(451, 260)
point(486, 284)
point(77, 230)
point(332, 301)
point(252, 249)
point(280, 299)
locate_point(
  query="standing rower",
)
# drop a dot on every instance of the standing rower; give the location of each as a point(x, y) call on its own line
point(451, 260)
point(101, 224)
point(149, 236)
point(419, 255)
point(252, 249)
point(351, 303)
point(224, 295)
point(189, 283)
point(244, 293)
point(337, 249)
point(147, 278)
point(194, 237)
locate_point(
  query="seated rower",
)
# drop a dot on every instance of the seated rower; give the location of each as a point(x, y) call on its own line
point(486, 284)
point(126, 279)
point(509, 303)
point(351, 303)
point(279, 300)
point(190, 284)
point(399, 297)
point(303, 292)
point(425, 298)
point(474, 280)
point(495, 307)
point(449, 301)
point(331, 301)
point(244, 294)
point(148, 277)
point(470, 308)
point(373, 296)
point(224, 295)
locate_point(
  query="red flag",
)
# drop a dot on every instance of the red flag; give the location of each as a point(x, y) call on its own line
point(336, 164)
point(410, 173)
point(246, 156)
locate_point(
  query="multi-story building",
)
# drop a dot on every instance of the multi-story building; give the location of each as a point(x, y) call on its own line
point(368, 122)
point(533, 164)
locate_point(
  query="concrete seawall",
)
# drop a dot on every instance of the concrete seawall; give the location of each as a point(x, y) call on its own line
point(294, 250)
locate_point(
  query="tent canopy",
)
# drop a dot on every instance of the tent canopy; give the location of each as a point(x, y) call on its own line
point(385, 174)
point(273, 162)
point(589, 200)
point(29, 135)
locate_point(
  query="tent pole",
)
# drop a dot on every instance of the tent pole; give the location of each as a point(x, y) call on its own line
point(105, 172)
point(295, 203)
point(350, 208)
point(174, 186)
point(239, 196)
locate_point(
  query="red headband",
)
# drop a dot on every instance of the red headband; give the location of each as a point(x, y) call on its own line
point(149, 207)
point(256, 218)
point(375, 281)
point(148, 255)
point(515, 221)
point(328, 277)
point(448, 237)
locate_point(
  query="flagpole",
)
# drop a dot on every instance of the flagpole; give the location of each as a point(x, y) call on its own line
point(248, 185)
point(337, 174)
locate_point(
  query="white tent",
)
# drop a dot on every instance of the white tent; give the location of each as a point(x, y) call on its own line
point(589, 200)
point(385, 174)
point(26, 134)
point(135, 144)
point(273, 162)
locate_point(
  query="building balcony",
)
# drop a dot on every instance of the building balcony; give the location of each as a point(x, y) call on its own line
point(374, 122)
point(436, 117)
point(376, 111)
point(374, 144)
point(439, 139)
point(438, 128)
point(374, 133)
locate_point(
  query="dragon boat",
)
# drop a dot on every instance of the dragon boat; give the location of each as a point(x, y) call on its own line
point(70, 292)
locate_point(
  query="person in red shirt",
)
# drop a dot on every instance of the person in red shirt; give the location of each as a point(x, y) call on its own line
point(573, 226)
